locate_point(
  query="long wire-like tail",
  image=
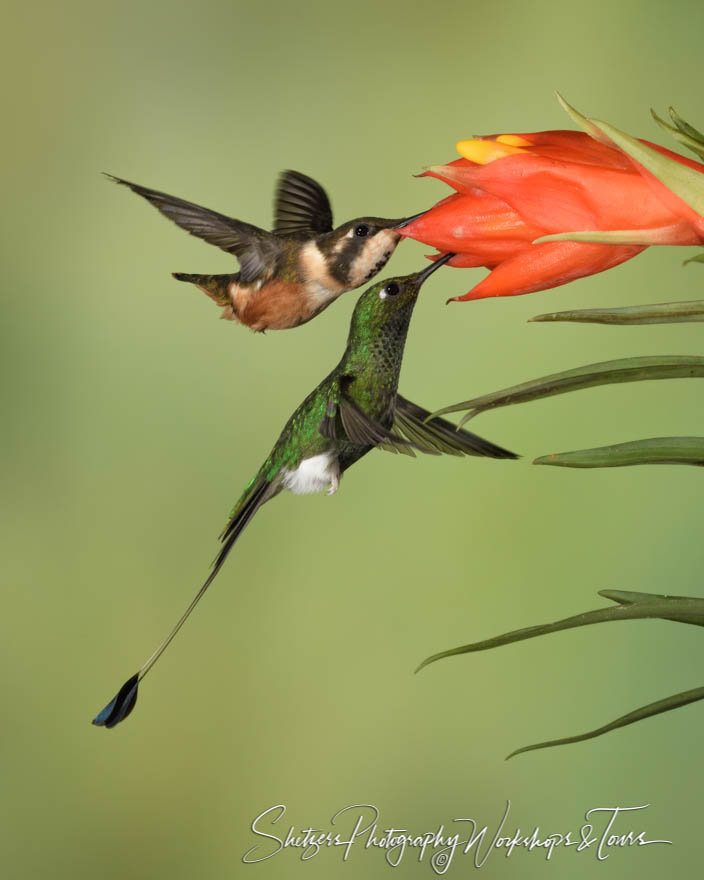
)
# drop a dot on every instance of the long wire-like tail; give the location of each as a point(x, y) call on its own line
point(124, 701)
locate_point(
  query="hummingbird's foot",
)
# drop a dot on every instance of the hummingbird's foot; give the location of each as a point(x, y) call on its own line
point(334, 484)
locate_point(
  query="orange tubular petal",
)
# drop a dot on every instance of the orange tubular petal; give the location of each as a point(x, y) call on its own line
point(557, 195)
point(461, 223)
point(485, 253)
point(489, 253)
point(549, 265)
point(456, 163)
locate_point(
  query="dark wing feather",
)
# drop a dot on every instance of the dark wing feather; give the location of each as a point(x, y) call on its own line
point(362, 430)
point(438, 436)
point(253, 247)
point(328, 425)
point(301, 206)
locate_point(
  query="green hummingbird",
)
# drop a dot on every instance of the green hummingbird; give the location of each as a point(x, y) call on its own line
point(291, 274)
point(356, 408)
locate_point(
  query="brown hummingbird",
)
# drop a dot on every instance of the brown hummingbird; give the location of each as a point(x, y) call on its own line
point(289, 275)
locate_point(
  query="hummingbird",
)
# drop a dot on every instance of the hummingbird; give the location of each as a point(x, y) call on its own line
point(356, 408)
point(291, 274)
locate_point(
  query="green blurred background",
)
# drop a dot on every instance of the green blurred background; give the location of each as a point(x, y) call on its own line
point(132, 418)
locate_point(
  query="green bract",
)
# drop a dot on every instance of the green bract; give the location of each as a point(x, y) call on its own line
point(657, 313)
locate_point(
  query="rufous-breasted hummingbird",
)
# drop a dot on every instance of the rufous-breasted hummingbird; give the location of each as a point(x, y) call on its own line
point(354, 409)
point(291, 274)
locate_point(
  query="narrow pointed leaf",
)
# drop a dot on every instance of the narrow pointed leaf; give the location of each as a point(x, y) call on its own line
point(660, 706)
point(684, 182)
point(605, 373)
point(657, 313)
point(632, 606)
point(696, 146)
point(601, 615)
point(685, 127)
point(698, 259)
point(630, 597)
point(582, 121)
point(655, 450)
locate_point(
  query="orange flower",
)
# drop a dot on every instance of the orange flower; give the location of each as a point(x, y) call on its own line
point(514, 189)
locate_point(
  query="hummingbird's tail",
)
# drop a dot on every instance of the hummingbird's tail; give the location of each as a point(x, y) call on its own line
point(217, 287)
point(123, 702)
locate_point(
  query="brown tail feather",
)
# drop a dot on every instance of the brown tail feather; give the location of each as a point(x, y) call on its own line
point(217, 287)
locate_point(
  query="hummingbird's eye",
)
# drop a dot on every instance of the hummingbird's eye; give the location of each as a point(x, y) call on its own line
point(390, 289)
point(362, 230)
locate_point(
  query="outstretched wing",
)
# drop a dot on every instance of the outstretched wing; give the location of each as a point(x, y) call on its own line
point(438, 436)
point(344, 418)
point(364, 431)
point(409, 431)
point(301, 206)
point(254, 248)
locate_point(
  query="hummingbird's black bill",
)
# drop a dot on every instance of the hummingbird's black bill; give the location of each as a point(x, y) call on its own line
point(425, 273)
point(408, 220)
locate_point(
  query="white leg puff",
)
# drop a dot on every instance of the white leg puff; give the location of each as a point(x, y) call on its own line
point(314, 474)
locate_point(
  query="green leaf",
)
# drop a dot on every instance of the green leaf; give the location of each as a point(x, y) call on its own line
point(657, 450)
point(630, 597)
point(657, 313)
point(666, 705)
point(696, 145)
point(582, 121)
point(685, 127)
point(698, 259)
point(684, 182)
point(632, 606)
point(603, 615)
point(605, 373)
point(681, 609)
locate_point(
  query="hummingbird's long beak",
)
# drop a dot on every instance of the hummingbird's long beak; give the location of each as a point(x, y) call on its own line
point(426, 273)
point(408, 220)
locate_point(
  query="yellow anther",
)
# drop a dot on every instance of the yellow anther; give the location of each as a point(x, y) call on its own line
point(513, 140)
point(483, 152)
